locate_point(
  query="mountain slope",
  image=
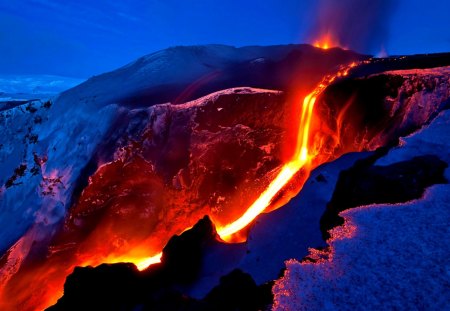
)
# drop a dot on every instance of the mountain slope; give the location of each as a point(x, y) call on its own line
point(78, 131)
point(184, 73)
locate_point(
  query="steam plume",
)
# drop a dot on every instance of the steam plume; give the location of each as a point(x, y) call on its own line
point(360, 25)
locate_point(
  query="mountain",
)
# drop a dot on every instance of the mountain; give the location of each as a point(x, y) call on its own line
point(408, 181)
point(112, 168)
point(77, 132)
point(183, 73)
point(33, 85)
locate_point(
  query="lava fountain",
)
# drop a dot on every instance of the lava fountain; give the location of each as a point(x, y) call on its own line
point(326, 41)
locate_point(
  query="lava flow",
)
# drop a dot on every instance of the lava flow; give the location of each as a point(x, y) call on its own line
point(135, 178)
point(302, 157)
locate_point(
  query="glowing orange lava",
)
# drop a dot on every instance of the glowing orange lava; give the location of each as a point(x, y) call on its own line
point(301, 158)
point(326, 42)
point(284, 176)
point(289, 169)
point(145, 263)
point(26, 288)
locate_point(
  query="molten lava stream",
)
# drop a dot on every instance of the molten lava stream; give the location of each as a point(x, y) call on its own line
point(50, 275)
point(302, 159)
point(287, 172)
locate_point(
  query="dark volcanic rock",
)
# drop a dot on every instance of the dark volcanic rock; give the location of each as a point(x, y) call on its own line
point(122, 287)
point(127, 174)
point(79, 130)
point(238, 291)
point(366, 183)
point(174, 164)
point(419, 61)
point(182, 256)
point(106, 287)
point(372, 111)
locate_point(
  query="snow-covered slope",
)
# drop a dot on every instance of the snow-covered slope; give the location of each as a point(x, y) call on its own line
point(75, 133)
point(23, 85)
point(391, 257)
point(162, 168)
point(291, 230)
point(50, 150)
point(184, 73)
point(44, 147)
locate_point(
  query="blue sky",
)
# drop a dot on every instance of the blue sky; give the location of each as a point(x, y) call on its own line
point(80, 38)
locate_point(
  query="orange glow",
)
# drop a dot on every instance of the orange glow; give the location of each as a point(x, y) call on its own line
point(145, 241)
point(326, 42)
point(287, 172)
point(301, 159)
point(143, 264)
point(263, 201)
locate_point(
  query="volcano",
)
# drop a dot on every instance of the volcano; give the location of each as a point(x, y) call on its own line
point(185, 180)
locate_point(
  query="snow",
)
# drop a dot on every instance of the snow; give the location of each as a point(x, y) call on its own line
point(385, 257)
point(36, 84)
point(203, 101)
point(173, 67)
point(292, 230)
point(288, 232)
point(81, 122)
point(68, 135)
point(164, 74)
point(72, 134)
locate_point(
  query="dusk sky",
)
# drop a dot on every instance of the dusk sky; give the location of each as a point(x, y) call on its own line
point(81, 38)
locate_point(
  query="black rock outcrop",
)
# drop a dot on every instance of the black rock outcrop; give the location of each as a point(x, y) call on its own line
point(122, 287)
point(366, 183)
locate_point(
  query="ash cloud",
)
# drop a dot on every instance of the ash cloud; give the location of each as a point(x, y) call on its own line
point(360, 25)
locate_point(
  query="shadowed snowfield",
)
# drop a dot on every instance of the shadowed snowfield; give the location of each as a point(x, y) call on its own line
point(385, 256)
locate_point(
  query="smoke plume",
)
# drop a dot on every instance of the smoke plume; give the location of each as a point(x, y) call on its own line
point(360, 25)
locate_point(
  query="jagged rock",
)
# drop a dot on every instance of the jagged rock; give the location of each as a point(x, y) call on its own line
point(371, 111)
point(366, 183)
point(385, 256)
point(238, 291)
point(182, 256)
point(150, 172)
point(122, 287)
point(79, 130)
point(178, 164)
